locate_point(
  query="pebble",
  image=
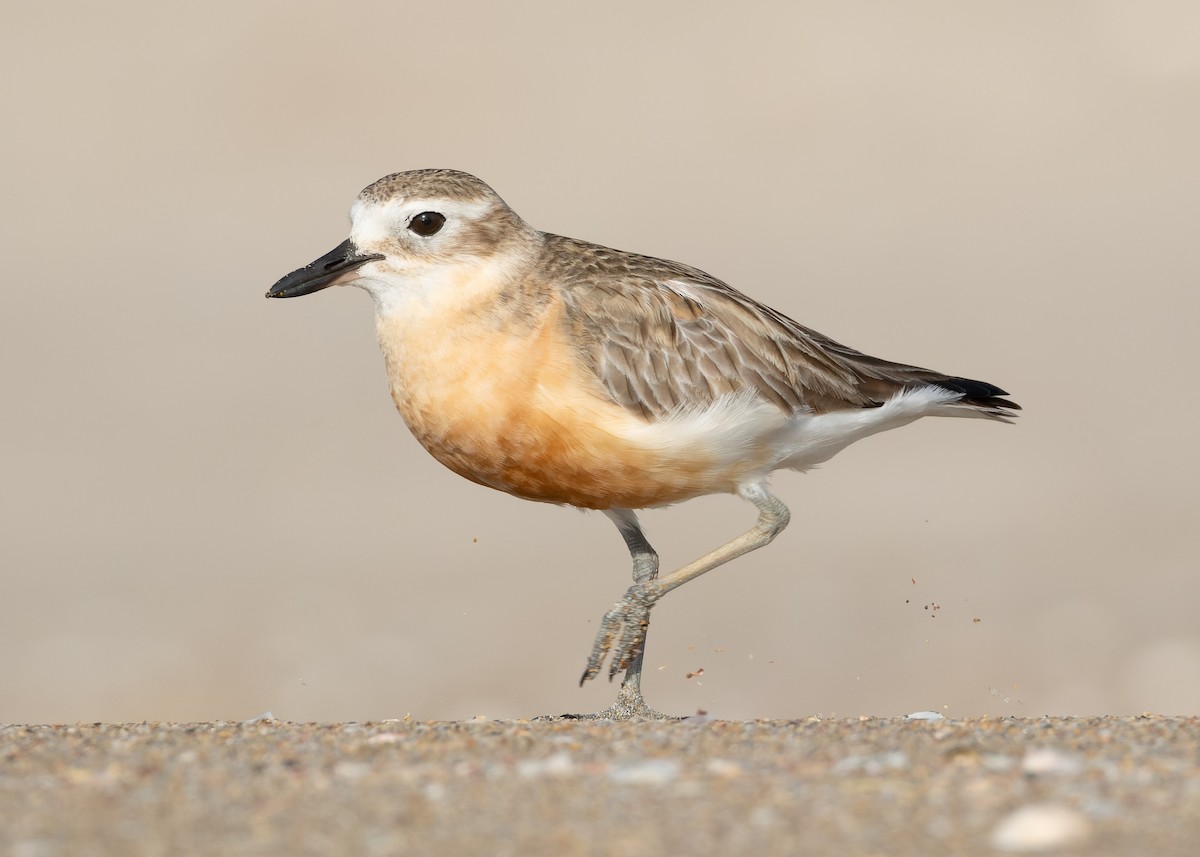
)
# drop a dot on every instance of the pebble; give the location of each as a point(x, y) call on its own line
point(557, 765)
point(1040, 827)
point(654, 772)
point(872, 765)
point(1045, 761)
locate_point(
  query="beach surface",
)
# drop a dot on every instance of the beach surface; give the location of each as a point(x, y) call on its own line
point(1097, 786)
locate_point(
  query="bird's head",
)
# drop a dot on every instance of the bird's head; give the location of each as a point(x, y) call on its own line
point(417, 231)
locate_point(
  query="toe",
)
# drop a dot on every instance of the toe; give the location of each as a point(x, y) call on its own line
point(609, 626)
point(633, 638)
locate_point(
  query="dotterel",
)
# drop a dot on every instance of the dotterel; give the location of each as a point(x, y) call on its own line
point(561, 371)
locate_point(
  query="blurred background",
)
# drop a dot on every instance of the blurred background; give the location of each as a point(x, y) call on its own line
point(210, 509)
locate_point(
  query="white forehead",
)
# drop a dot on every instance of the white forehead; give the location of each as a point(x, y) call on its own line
point(372, 222)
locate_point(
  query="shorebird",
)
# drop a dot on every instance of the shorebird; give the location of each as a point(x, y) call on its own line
point(561, 371)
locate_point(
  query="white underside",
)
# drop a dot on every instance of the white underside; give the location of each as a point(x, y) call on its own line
point(744, 428)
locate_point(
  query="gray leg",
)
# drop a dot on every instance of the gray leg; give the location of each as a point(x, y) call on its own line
point(630, 702)
point(623, 629)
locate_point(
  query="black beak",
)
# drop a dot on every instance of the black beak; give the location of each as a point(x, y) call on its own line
point(323, 273)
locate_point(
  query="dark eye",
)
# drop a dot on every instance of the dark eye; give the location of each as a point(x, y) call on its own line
point(427, 223)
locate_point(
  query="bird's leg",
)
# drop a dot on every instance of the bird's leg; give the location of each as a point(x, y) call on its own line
point(630, 703)
point(623, 629)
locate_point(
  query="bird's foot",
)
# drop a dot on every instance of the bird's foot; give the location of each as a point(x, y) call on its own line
point(623, 631)
point(629, 706)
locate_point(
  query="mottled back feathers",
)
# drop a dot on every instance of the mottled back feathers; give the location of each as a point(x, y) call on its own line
point(661, 336)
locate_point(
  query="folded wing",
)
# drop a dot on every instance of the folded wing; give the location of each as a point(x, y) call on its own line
point(661, 337)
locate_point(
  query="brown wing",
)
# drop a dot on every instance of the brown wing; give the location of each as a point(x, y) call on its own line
point(659, 335)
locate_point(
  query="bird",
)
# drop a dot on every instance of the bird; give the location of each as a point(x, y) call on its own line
point(566, 372)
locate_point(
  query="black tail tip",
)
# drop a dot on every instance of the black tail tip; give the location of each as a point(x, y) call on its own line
point(979, 393)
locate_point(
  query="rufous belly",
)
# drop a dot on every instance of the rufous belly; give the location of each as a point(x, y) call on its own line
point(517, 412)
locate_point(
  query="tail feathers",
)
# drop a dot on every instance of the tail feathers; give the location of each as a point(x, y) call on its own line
point(978, 393)
point(980, 396)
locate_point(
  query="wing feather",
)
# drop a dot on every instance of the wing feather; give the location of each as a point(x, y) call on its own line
point(660, 336)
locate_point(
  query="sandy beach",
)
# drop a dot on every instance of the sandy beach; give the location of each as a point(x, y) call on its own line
point(864, 786)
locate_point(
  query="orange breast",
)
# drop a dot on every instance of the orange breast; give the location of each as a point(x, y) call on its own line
point(515, 411)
